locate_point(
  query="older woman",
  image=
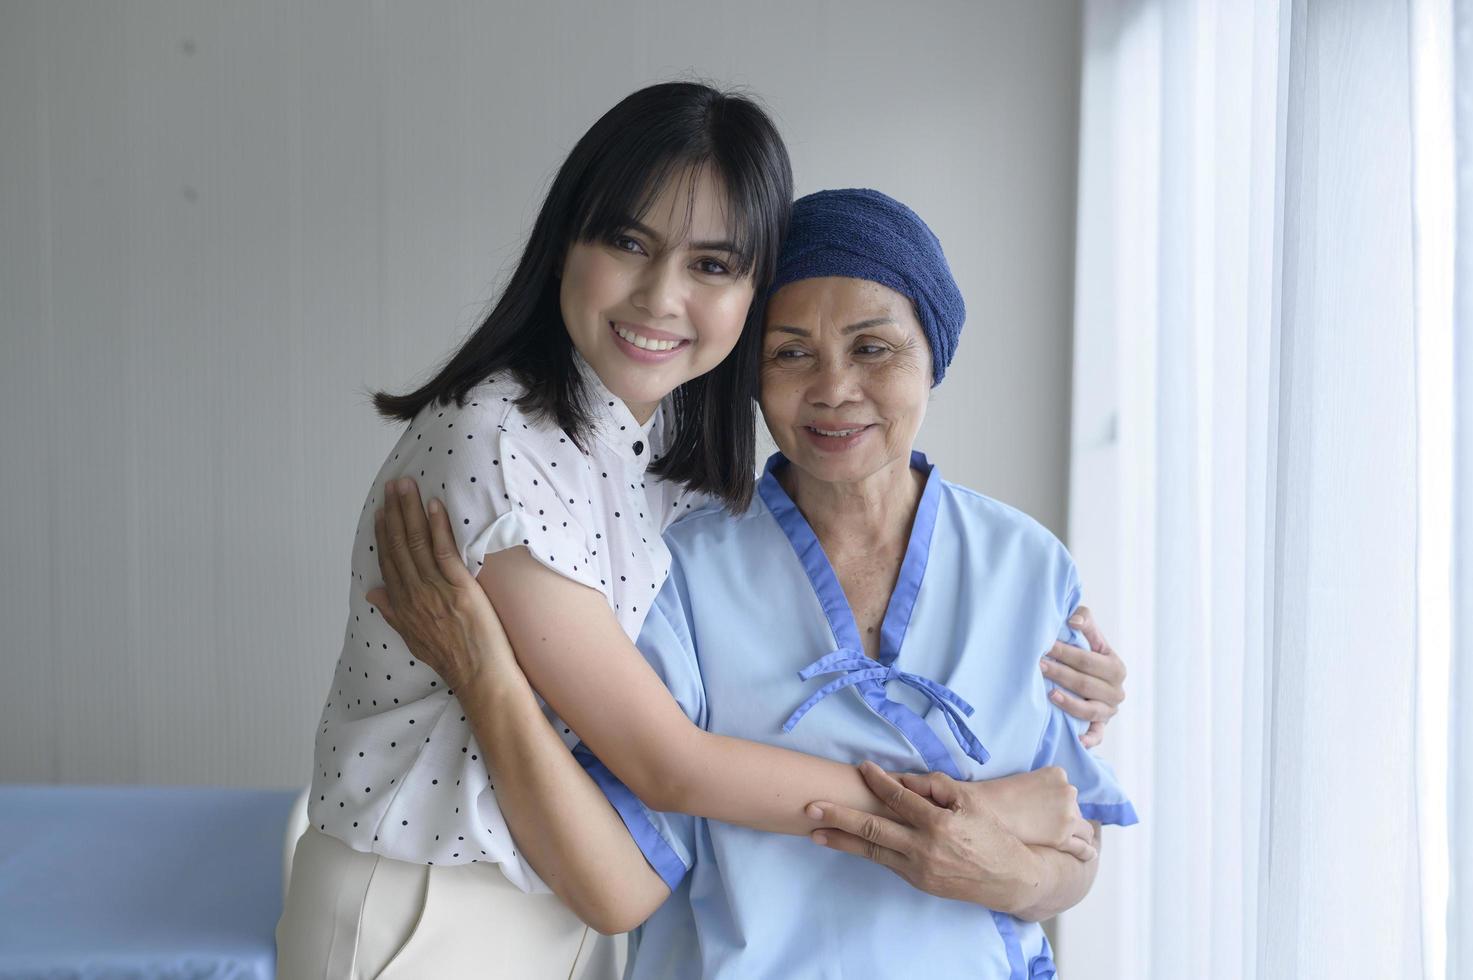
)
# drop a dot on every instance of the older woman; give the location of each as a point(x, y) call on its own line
point(862, 609)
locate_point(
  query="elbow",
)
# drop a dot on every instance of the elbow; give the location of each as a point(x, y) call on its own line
point(1033, 914)
point(663, 793)
point(616, 921)
point(607, 923)
point(619, 914)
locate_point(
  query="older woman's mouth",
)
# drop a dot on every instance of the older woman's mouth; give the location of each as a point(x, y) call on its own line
point(835, 437)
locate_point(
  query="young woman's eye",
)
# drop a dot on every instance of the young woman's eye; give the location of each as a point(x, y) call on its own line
point(711, 267)
point(626, 244)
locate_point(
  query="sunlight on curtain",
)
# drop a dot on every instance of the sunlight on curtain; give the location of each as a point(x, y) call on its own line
point(1435, 216)
point(1261, 502)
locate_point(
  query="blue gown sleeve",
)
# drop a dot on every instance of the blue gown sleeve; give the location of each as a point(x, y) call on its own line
point(1100, 794)
point(667, 839)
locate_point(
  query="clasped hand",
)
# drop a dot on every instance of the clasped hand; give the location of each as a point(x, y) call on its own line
point(948, 838)
point(429, 597)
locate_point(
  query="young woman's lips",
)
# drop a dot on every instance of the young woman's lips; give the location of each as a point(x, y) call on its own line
point(834, 438)
point(660, 347)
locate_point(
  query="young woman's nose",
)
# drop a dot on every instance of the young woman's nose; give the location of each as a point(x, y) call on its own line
point(659, 290)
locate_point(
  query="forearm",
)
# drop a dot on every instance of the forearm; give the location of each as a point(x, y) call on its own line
point(596, 679)
point(561, 821)
point(1061, 883)
point(753, 784)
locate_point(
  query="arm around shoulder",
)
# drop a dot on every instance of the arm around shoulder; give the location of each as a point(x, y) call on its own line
point(581, 662)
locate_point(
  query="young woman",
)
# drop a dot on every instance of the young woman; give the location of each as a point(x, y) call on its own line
point(595, 404)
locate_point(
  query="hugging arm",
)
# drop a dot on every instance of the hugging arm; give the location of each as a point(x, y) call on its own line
point(582, 664)
point(1091, 680)
point(616, 702)
point(560, 819)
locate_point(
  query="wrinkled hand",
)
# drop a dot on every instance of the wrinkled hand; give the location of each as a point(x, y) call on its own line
point(942, 841)
point(1095, 676)
point(429, 597)
point(1039, 807)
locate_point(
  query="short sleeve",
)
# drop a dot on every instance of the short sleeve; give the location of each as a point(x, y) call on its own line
point(1100, 795)
point(667, 839)
point(544, 509)
point(503, 490)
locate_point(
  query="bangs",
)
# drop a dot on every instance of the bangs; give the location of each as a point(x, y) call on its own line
point(754, 215)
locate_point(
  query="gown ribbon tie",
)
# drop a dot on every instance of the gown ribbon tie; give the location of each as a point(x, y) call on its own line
point(856, 668)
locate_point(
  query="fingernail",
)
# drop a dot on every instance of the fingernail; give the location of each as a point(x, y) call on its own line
point(1045, 665)
point(814, 811)
point(819, 837)
point(1076, 620)
point(1055, 696)
point(434, 506)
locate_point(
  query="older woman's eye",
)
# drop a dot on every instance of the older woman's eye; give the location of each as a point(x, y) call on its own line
point(870, 349)
point(788, 354)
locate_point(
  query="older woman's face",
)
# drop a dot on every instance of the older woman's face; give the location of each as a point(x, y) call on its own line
point(846, 375)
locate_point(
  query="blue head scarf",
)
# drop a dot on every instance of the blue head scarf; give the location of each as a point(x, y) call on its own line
point(863, 234)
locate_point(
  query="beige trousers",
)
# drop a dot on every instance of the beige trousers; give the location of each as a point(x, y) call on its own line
point(356, 916)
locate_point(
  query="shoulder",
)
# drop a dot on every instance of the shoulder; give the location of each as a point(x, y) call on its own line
point(489, 407)
point(709, 526)
point(995, 514)
point(1007, 535)
point(486, 422)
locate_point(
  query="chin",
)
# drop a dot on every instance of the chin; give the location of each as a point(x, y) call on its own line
point(832, 469)
point(638, 387)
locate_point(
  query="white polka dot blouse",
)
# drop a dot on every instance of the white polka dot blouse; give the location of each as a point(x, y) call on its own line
point(396, 769)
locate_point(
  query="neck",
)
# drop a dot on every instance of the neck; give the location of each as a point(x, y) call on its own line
point(873, 511)
point(642, 411)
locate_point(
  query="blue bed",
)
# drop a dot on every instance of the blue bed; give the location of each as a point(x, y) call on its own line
point(115, 882)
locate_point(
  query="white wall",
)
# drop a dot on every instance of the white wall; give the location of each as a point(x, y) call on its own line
point(222, 223)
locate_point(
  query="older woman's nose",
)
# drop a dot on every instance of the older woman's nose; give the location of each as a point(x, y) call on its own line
point(659, 291)
point(835, 382)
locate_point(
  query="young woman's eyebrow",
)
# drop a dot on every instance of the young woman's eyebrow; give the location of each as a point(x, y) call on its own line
point(648, 232)
point(878, 321)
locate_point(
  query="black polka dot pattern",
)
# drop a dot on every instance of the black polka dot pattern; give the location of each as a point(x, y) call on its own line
point(398, 770)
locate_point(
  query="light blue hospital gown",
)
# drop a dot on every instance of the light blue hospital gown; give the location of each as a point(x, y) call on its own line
point(751, 602)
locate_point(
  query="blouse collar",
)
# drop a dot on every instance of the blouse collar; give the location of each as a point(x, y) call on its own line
point(615, 426)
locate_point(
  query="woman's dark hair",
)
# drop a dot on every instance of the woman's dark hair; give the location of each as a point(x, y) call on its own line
point(611, 178)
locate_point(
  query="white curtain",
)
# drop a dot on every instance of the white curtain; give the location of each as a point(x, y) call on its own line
point(1460, 915)
point(1262, 484)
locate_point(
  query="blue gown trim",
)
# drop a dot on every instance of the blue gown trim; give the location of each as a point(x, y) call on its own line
point(869, 677)
point(1120, 814)
point(1042, 967)
point(858, 668)
point(657, 850)
point(1008, 930)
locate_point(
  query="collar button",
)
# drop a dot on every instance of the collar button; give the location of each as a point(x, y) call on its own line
point(638, 447)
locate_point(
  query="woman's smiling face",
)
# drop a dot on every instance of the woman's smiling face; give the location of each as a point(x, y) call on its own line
point(658, 304)
point(846, 377)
